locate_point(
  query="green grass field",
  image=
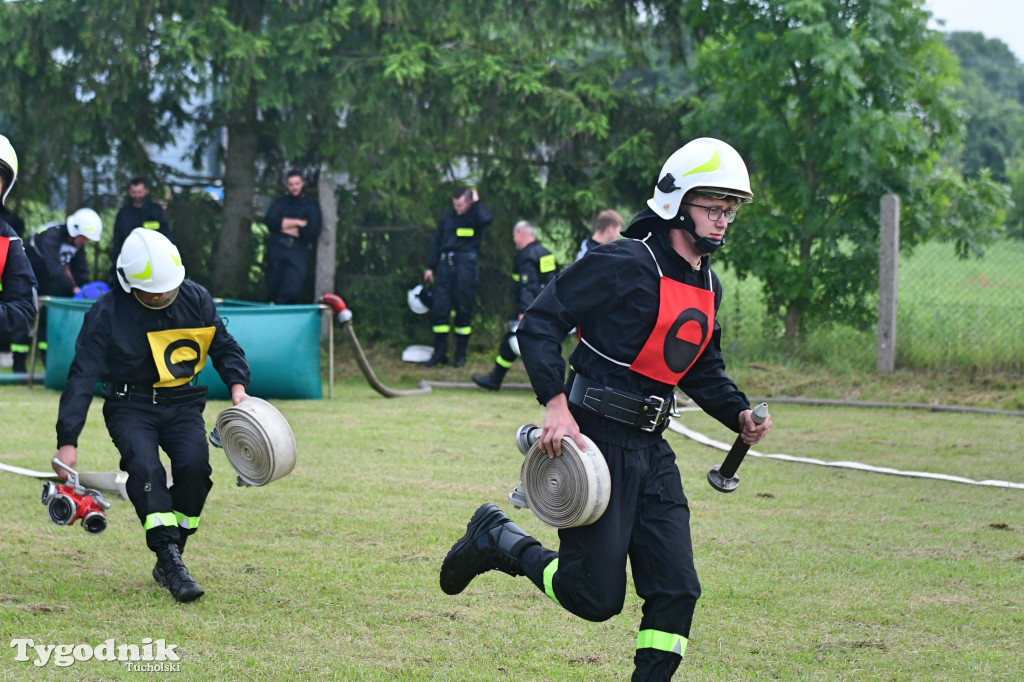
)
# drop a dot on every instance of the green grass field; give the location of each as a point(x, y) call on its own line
point(808, 573)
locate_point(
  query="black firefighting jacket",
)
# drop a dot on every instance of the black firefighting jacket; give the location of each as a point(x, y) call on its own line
point(53, 257)
point(122, 341)
point(532, 270)
point(459, 234)
point(612, 297)
point(17, 286)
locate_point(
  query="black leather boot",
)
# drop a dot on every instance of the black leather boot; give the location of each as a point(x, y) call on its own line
point(440, 356)
point(492, 381)
point(171, 573)
point(20, 365)
point(491, 541)
point(461, 344)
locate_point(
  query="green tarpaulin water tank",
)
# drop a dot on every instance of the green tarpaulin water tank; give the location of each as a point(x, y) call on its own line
point(281, 342)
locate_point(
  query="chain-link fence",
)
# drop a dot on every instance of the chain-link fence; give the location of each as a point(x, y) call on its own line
point(961, 313)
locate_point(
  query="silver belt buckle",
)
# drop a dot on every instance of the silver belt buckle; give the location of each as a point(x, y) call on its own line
point(657, 415)
point(666, 408)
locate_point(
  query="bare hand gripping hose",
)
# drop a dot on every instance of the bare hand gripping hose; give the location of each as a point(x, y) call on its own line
point(257, 440)
point(566, 491)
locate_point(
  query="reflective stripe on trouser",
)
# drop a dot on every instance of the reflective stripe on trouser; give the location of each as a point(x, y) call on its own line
point(647, 520)
point(662, 641)
point(138, 430)
point(441, 328)
point(454, 290)
point(463, 331)
point(157, 519)
point(506, 356)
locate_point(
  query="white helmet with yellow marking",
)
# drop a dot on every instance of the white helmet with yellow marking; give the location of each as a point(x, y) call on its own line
point(150, 263)
point(9, 159)
point(707, 164)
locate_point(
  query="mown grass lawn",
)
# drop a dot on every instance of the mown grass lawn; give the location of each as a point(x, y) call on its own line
point(808, 573)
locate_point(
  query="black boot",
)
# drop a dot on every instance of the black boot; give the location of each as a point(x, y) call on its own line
point(171, 573)
point(492, 381)
point(20, 361)
point(461, 344)
point(491, 541)
point(440, 356)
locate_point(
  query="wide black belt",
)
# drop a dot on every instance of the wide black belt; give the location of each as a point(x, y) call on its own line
point(140, 393)
point(649, 413)
point(453, 257)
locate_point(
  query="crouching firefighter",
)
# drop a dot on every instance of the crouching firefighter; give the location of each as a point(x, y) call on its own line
point(532, 269)
point(146, 342)
point(645, 309)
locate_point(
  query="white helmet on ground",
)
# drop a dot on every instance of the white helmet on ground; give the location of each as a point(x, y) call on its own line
point(10, 159)
point(85, 221)
point(149, 262)
point(704, 163)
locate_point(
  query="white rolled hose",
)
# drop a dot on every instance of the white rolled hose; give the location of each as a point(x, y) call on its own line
point(257, 440)
point(567, 491)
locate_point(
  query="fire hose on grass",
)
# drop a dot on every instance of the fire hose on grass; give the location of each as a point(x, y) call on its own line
point(344, 317)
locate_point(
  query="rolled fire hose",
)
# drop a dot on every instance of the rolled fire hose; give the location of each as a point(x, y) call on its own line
point(257, 441)
point(566, 491)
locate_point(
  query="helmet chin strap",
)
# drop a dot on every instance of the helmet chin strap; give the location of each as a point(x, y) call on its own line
point(703, 244)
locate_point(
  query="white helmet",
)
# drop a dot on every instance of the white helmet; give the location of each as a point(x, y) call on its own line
point(706, 163)
point(9, 157)
point(513, 340)
point(415, 298)
point(149, 262)
point(85, 221)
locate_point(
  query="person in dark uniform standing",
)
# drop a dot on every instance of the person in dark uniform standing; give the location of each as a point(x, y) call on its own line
point(146, 341)
point(138, 211)
point(452, 266)
point(607, 227)
point(532, 269)
point(645, 308)
point(294, 221)
point(17, 281)
point(57, 254)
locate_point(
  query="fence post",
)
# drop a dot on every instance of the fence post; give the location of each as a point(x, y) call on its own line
point(327, 245)
point(888, 271)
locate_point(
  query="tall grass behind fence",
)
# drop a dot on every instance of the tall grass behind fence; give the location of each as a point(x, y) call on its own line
point(962, 313)
point(952, 314)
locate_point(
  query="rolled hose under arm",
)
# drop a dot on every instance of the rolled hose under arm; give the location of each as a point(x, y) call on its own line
point(567, 491)
point(364, 366)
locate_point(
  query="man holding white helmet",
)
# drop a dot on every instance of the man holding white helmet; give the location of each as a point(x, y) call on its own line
point(645, 309)
point(57, 254)
point(146, 341)
point(17, 282)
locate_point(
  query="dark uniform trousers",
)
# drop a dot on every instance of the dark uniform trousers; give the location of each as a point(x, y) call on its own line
point(138, 429)
point(587, 576)
point(287, 259)
point(455, 288)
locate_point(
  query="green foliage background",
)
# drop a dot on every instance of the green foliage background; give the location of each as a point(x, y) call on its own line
point(552, 109)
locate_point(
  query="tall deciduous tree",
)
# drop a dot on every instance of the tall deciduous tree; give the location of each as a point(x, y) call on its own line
point(834, 103)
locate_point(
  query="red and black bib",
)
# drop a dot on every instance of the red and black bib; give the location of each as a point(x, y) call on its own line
point(686, 320)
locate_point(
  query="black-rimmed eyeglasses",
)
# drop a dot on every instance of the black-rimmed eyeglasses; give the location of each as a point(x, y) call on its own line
point(715, 213)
